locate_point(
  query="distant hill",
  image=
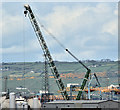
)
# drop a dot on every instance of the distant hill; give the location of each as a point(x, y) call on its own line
point(70, 72)
point(107, 68)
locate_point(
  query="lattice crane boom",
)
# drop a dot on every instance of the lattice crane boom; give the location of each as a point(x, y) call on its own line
point(45, 50)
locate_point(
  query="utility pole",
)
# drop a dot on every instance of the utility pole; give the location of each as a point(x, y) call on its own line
point(5, 78)
point(46, 76)
point(45, 80)
point(108, 89)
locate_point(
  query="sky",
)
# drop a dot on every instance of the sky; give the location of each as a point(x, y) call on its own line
point(88, 29)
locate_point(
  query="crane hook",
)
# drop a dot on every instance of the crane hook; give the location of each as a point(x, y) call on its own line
point(25, 12)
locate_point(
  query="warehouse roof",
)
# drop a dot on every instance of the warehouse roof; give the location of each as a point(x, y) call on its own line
point(80, 101)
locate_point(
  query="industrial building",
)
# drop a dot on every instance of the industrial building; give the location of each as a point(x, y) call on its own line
point(84, 104)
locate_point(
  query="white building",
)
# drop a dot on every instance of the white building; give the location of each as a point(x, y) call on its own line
point(73, 84)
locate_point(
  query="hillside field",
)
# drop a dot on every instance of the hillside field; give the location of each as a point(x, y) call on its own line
point(31, 74)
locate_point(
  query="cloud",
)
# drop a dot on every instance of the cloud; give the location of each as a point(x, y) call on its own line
point(116, 12)
point(0, 19)
point(0, 26)
point(12, 50)
point(78, 26)
point(64, 18)
point(85, 28)
point(111, 27)
point(76, 17)
point(31, 46)
point(12, 23)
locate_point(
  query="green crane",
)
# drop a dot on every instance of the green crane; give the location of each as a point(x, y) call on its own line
point(46, 51)
point(49, 57)
point(85, 78)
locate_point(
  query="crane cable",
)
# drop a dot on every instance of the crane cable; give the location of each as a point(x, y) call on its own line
point(24, 71)
point(52, 36)
point(50, 33)
point(68, 51)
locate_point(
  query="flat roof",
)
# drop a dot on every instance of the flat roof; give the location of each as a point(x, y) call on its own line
point(79, 101)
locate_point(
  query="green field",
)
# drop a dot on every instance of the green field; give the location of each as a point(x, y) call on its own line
point(30, 69)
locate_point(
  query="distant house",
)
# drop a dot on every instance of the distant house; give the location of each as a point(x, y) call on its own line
point(105, 60)
point(73, 84)
point(31, 71)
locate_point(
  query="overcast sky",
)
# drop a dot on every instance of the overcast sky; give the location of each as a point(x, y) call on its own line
point(89, 30)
